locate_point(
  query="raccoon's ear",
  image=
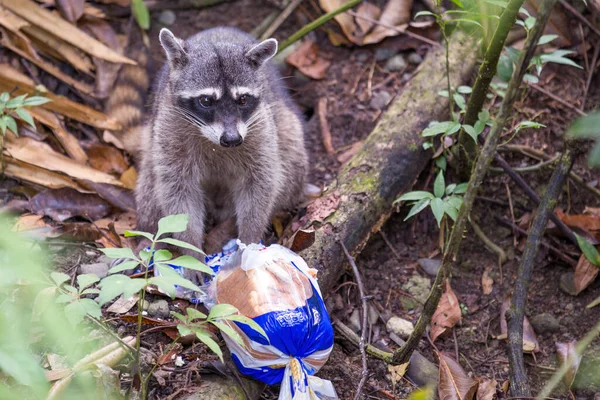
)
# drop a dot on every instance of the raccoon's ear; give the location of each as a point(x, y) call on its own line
point(173, 47)
point(263, 51)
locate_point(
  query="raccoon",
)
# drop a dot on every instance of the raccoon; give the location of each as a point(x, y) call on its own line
point(224, 139)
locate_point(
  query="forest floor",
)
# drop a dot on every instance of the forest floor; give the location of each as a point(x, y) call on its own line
point(358, 86)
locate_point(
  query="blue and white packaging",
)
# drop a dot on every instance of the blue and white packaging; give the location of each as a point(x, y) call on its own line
point(276, 288)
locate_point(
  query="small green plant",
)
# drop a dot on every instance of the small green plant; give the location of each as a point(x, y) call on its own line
point(445, 200)
point(141, 13)
point(77, 306)
point(588, 127)
point(13, 109)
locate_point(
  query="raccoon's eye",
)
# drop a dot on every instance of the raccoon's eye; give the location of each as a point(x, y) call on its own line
point(206, 101)
point(243, 99)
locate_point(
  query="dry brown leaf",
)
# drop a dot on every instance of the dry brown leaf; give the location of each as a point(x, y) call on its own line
point(302, 240)
point(36, 15)
point(306, 58)
point(447, 313)
point(80, 232)
point(346, 21)
point(14, 24)
point(454, 384)
point(592, 210)
point(123, 222)
point(71, 10)
point(13, 80)
point(585, 274)
point(397, 372)
point(587, 222)
point(346, 155)
point(117, 196)
point(395, 13)
point(68, 141)
point(106, 159)
point(29, 221)
point(486, 389)
point(129, 178)
point(323, 207)
point(42, 155)
point(370, 11)
point(65, 203)
point(487, 283)
point(122, 305)
point(567, 354)
point(530, 342)
point(40, 176)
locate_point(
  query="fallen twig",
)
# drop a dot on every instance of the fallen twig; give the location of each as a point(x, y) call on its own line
point(325, 131)
point(554, 250)
point(489, 243)
point(577, 14)
point(363, 325)
point(558, 99)
point(355, 339)
point(280, 18)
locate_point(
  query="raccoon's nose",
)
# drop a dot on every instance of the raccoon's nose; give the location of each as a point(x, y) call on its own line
point(231, 140)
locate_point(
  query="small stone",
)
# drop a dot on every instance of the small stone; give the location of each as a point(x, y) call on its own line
point(430, 265)
point(567, 283)
point(419, 287)
point(400, 327)
point(380, 100)
point(159, 309)
point(354, 321)
point(569, 307)
point(415, 58)
point(545, 323)
point(396, 63)
point(373, 315)
point(167, 17)
point(98, 269)
point(382, 54)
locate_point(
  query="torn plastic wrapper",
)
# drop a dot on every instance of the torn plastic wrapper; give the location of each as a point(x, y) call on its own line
point(274, 286)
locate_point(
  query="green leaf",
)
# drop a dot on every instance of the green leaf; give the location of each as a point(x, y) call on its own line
point(4, 97)
point(594, 158)
point(71, 289)
point(460, 101)
point(558, 58)
point(589, 250)
point(585, 127)
point(124, 266)
point(116, 252)
point(59, 278)
point(115, 285)
point(415, 195)
point(438, 128)
point(35, 101)
point(227, 330)
point(546, 39)
point(139, 233)
point(456, 201)
point(162, 255)
point(190, 262)
point(75, 312)
point(484, 115)
point(450, 209)
point(464, 89)
point(184, 330)
point(221, 311)
point(247, 321)
point(90, 291)
point(443, 93)
point(529, 124)
point(441, 162)
point(450, 188)
point(195, 314)
point(64, 298)
point(422, 13)
point(91, 307)
point(172, 224)
point(205, 338)
point(439, 185)
point(458, 3)
point(85, 280)
point(16, 102)
point(418, 207)
point(141, 13)
point(3, 124)
point(182, 244)
point(471, 132)
point(437, 206)
point(427, 145)
point(427, 392)
point(505, 67)
point(461, 188)
point(173, 277)
point(10, 124)
point(25, 116)
point(179, 316)
point(529, 22)
point(455, 127)
point(531, 78)
point(479, 127)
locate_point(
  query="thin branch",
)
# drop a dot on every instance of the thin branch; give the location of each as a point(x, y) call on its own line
point(583, 19)
point(590, 75)
point(558, 99)
point(363, 325)
point(280, 18)
point(355, 339)
point(518, 376)
point(317, 23)
point(489, 243)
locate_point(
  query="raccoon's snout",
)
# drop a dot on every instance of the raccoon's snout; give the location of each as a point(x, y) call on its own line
point(231, 139)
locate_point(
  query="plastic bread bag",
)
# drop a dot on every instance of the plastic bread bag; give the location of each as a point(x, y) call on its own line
point(274, 286)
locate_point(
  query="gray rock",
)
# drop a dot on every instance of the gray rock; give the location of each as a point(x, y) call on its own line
point(430, 265)
point(415, 58)
point(396, 63)
point(380, 100)
point(400, 327)
point(159, 309)
point(418, 286)
point(373, 315)
point(98, 269)
point(382, 54)
point(167, 17)
point(354, 320)
point(567, 284)
point(545, 323)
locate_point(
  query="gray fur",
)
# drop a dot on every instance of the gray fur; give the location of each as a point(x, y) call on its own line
point(184, 169)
